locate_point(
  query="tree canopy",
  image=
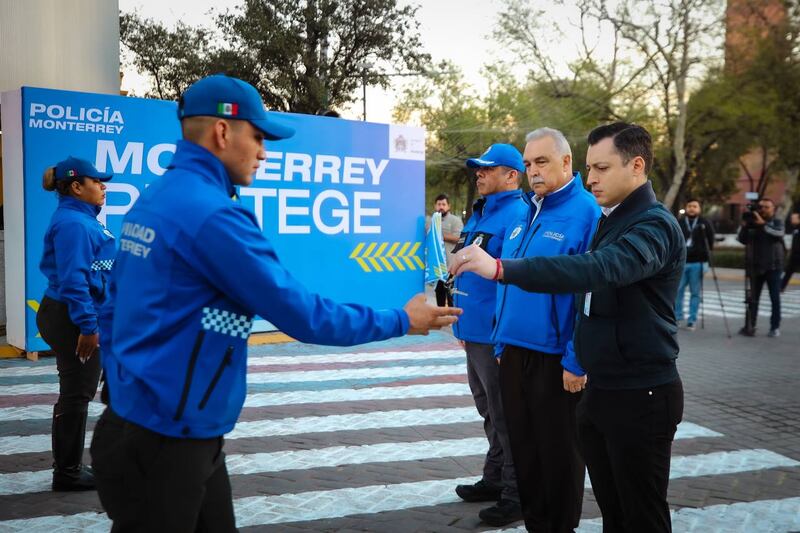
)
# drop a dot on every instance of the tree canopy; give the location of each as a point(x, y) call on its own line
point(303, 56)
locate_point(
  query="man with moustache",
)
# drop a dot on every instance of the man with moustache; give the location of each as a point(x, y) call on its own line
point(626, 333)
point(498, 173)
point(540, 380)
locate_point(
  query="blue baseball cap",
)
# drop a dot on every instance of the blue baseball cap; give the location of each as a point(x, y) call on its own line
point(72, 168)
point(225, 97)
point(499, 155)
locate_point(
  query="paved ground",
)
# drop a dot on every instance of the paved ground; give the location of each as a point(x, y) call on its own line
point(375, 439)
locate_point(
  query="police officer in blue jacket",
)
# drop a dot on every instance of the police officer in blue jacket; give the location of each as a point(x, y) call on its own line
point(192, 271)
point(540, 378)
point(498, 173)
point(78, 255)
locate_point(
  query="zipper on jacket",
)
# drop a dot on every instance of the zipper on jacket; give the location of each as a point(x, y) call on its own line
point(226, 360)
point(596, 236)
point(554, 317)
point(189, 371)
point(516, 256)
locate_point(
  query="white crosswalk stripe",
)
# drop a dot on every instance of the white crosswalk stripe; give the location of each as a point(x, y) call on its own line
point(324, 424)
point(734, 307)
point(25, 368)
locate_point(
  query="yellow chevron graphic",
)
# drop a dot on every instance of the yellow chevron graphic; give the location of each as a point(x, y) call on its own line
point(388, 256)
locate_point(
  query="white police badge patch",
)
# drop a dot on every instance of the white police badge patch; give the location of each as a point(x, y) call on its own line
point(516, 232)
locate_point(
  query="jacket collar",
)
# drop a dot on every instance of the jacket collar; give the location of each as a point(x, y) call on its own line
point(640, 199)
point(491, 202)
point(560, 196)
point(70, 202)
point(198, 160)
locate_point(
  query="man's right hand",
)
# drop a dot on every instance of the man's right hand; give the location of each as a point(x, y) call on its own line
point(423, 317)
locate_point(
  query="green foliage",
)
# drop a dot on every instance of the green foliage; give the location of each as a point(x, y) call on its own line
point(757, 106)
point(302, 56)
point(173, 58)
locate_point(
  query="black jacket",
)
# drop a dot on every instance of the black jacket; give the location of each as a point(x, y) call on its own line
point(696, 249)
point(769, 250)
point(628, 338)
point(794, 257)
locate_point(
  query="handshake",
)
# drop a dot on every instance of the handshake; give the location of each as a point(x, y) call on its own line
point(423, 317)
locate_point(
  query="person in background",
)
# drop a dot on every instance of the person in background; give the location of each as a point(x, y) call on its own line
point(497, 173)
point(699, 235)
point(765, 235)
point(78, 256)
point(451, 232)
point(793, 265)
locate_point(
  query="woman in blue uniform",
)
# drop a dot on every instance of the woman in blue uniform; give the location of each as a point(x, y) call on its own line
point(78, 255)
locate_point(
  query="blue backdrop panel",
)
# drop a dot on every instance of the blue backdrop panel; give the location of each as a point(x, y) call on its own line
point(342, 201)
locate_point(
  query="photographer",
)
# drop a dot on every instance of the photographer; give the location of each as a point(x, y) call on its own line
point(764, 233)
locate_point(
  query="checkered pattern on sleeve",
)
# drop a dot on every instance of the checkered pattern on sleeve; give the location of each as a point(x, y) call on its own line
point(226, 322)
point(105, 264)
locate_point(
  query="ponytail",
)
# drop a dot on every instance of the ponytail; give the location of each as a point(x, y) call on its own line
point(49, 179)
point(50, 183)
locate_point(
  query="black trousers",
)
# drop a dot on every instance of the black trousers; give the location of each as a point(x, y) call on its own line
point(443, 296)
point(542, 429)
point(77, 383)
point(791, 267)
point(773, 280)
point(626, 439)
point(483, 375)
point(151, 483)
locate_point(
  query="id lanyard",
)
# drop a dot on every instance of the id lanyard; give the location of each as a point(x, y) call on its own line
point(691, 230)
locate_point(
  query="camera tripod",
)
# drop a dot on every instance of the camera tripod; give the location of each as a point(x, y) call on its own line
point(749, 328)
point(716, 285)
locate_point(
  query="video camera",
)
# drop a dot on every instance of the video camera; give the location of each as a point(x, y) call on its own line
point(748, 216)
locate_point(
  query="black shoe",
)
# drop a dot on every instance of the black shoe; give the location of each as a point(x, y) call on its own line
point(501, 514)
point(747, 332)
point(479, 492)
point(80, 478)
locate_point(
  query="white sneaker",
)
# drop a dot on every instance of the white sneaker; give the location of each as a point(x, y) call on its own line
point(774, 333)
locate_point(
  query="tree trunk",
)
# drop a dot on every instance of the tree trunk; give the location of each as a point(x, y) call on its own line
point(678, 147)
point(791, 184)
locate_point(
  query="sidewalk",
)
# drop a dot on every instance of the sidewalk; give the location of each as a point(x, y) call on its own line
point(737, 274)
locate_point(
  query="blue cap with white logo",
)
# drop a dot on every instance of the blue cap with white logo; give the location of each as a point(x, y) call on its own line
point(499, 155)
point(226, 97)
point(73, 168)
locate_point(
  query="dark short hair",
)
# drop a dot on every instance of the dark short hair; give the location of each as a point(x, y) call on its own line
point(690, 200)
point(442, 196)
point(630, 141)
point(765, 199)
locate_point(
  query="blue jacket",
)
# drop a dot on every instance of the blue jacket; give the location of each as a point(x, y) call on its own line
point(487, 226)
point(78, 256)
point(192, 270)
point(564, 224)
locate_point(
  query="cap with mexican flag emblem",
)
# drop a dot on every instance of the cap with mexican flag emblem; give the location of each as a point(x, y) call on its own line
point(226, 97)
point(72, 167)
